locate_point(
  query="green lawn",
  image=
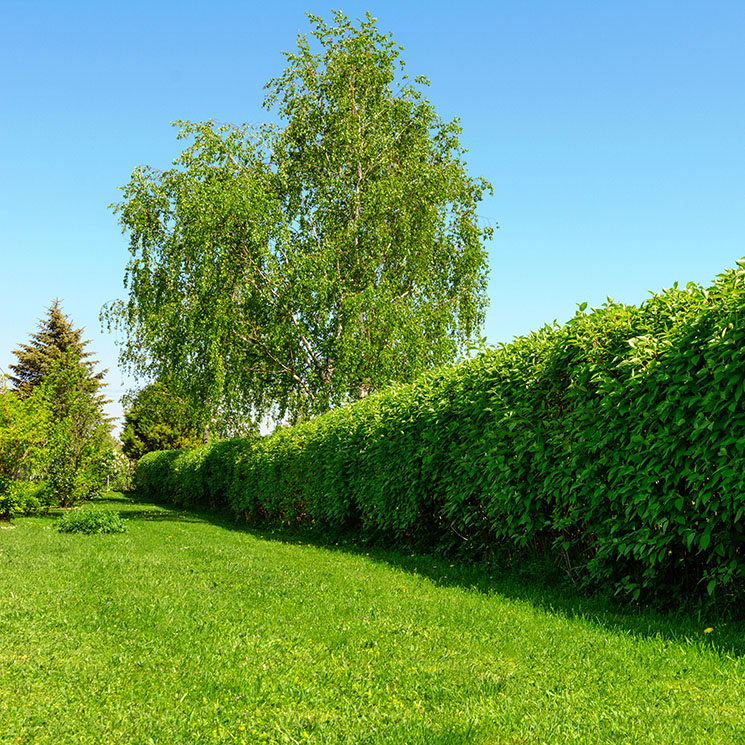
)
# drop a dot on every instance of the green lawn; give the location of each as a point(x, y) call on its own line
point(190, 630)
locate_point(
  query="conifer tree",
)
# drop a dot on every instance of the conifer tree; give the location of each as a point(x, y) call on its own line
point(55, 339)
point(56, 361)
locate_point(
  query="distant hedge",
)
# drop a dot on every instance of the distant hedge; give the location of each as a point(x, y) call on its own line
point(615, 441)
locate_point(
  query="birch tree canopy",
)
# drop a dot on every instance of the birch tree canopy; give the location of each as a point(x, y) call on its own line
point(287, 268)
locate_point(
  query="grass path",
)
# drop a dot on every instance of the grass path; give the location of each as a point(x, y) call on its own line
point(185, 630)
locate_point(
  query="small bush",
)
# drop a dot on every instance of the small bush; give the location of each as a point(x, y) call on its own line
point(91, 522)
point(23, 498)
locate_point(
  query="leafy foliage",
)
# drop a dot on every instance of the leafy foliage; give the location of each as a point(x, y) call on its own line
point(23, 431)
point(615, 442)
point(24, 425)
point(78, 436)
point(22, 498)
point(158, 419)
point(288, 269)
point(91, 522)
point(118, 468)
point(52, 426)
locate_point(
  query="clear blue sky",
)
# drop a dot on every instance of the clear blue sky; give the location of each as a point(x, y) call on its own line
point(613, 132)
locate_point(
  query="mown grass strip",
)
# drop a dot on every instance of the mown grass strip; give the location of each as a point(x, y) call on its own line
point(186, 630)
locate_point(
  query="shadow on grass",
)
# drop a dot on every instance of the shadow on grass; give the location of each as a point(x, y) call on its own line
point(131, 505)
point(112, 498)
point(159, 516)
point(537, 583)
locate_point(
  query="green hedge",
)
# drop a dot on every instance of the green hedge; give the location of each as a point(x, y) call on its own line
point(615, 441)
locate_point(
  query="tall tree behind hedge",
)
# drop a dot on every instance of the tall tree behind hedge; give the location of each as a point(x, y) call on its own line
point(158, 419)
point(287, 269)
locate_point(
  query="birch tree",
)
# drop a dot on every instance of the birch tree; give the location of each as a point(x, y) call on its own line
point(288, 268)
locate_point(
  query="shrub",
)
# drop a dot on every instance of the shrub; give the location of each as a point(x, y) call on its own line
point(23, 498)
point(89, 521)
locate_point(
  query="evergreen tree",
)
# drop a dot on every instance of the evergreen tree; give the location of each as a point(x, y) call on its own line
point(51, 344)
point(56, 362)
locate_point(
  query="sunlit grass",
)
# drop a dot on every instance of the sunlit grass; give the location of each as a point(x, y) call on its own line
point(185, 630)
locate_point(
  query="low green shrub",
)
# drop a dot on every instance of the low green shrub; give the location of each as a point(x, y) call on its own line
point(615, 442)
point(90, 522)
point(23, 498)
